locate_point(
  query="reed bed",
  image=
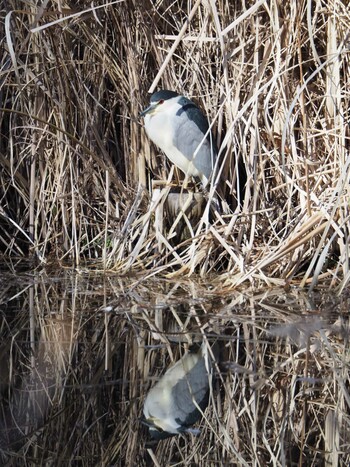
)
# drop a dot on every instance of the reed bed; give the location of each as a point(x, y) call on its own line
point(80, 182)
point(74, 377)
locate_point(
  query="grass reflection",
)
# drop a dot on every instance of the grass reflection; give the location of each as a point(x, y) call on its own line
point(79, 353)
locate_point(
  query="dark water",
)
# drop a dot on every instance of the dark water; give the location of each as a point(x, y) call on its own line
point(80, 351)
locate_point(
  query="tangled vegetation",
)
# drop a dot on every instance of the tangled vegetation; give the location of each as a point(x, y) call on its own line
point(81, 182)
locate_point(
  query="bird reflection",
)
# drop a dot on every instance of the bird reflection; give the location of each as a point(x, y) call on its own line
point(178, 399)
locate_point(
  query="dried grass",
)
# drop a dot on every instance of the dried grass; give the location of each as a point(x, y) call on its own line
point(77, 170)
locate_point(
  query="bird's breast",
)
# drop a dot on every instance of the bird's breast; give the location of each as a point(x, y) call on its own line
point(160, 130)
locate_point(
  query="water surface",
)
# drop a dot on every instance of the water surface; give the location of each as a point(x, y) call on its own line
point(80, 351)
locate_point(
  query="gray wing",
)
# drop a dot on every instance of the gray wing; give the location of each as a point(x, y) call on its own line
point(189, 136)
point(194, 385)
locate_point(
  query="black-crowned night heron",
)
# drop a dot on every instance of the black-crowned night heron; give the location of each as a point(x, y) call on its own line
point(177, 126)
point(171, 406)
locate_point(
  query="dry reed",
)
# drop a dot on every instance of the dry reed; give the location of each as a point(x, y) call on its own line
point(77, 170)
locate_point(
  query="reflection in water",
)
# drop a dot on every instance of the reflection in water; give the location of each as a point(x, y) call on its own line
point(46, 354)
point(74, 379)
point(181, 395)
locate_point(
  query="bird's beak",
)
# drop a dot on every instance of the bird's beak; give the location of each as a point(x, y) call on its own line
point(145, 422)
point(149, 108)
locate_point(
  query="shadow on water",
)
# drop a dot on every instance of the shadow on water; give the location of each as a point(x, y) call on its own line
point(80, 352)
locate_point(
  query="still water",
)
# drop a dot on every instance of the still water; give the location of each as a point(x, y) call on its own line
point(79, 353)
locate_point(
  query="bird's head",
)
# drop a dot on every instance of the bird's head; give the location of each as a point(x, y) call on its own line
point(160, 101)
point(160, 429)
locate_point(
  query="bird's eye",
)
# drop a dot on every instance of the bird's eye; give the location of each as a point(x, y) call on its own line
point(160, 102)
